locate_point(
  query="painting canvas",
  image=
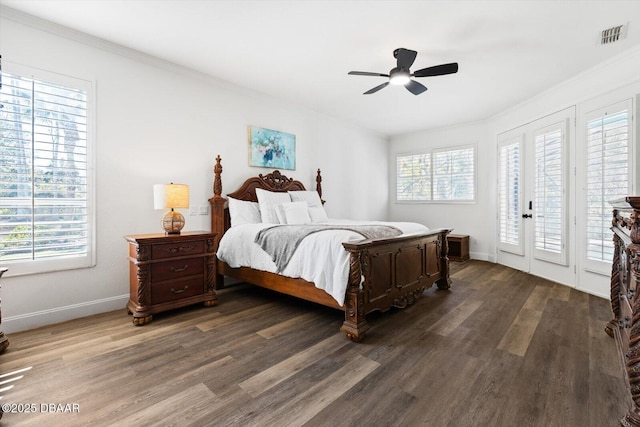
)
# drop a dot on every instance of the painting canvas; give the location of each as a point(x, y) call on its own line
point(271, 148)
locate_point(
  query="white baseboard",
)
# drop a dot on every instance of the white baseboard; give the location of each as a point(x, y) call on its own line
point(23, 322)
point(482, 256)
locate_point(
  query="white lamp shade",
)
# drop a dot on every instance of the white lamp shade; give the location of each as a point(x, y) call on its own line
point(170, 196)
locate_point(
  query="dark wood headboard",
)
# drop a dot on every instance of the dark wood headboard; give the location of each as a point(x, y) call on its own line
point(274, 181)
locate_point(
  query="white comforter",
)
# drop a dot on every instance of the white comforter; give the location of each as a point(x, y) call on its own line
point(320, 257)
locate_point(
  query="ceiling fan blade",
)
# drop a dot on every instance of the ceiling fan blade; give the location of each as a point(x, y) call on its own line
point(438, 70)
point(366, 73)
point(375, 89)
point(405, 58)
point(415, 88)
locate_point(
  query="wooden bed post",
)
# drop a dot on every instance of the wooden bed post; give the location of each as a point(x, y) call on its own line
point(319, 186)
point(217, 203)
point(618, 246)
point(445, 281)
point(355, 326)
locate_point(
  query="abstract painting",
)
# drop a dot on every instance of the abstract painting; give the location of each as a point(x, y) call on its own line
point(271, 149)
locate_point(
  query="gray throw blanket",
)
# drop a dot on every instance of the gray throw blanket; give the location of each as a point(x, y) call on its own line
point(281, 241)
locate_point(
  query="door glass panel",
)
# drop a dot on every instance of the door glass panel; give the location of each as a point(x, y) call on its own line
point(548, 191)
point(510, 233)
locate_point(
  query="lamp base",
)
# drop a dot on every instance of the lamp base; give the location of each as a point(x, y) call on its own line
point(172, 222)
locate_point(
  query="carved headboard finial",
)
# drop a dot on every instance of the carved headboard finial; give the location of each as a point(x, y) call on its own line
point(318, 184)
point(217, 180)
point(276, 180)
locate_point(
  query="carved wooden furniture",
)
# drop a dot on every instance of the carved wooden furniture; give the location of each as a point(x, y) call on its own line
point(170, 271)
point(625, 304)
point(4, 341)
point(458, 247)
point(383, 273)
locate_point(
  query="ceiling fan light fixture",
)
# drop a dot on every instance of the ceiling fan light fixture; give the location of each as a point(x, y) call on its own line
point(399, 77)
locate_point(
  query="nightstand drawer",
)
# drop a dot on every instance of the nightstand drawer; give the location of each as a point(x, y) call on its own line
point(176, 289)
point(172, 250)
point(169, 270)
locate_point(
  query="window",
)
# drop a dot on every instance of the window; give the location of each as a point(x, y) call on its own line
point(442, 175)
point(413, 177)
point(46, 215)
point(549, 200)
point(510, 232)
point(453, 174)
point(608, 136)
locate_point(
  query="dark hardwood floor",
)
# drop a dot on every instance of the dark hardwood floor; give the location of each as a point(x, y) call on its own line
point(502, 348)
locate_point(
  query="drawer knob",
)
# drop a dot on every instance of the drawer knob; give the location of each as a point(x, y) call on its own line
point(177, 270)
point(179, 291)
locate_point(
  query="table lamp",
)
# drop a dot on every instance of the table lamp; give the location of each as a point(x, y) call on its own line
point(171, 196)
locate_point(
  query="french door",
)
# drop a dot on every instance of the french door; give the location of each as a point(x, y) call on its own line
point(535, 206)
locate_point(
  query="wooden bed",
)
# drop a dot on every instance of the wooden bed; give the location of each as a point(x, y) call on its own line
point(383, 273)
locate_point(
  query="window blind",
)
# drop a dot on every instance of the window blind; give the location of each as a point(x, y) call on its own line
point(453, 174)
point(548, 197)
point(442, 175)
point(43, 171)
point(607, 176)
point(413, 177)
point(509, 193)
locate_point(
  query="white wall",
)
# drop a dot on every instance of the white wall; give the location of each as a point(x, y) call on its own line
point(156, 123)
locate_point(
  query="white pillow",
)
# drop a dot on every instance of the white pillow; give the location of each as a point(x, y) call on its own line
point(243, 212)
point(269, 201)
point(296, 213)
point(316, 210)
point(282, 217)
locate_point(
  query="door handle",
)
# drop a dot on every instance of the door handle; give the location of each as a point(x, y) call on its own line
point(527, 215)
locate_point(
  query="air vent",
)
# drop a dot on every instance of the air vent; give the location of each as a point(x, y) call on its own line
point(613, 34)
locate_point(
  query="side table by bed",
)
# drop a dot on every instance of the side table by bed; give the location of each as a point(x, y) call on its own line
point(458, 247)
point(170, 271)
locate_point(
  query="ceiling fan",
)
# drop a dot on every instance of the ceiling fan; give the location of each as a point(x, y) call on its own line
point(401, 75)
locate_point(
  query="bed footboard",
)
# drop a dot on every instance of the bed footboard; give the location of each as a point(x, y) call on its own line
point(393, 272)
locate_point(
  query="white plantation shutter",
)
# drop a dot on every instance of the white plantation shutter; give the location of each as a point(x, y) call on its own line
point(413, 177)
point(442, 175)
point(608, 159)
point(46, 218)
point(454, 174)
point(509, 188)
point(549, 202)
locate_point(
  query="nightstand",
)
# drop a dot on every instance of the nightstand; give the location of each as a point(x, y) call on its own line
point(458, 247)
point(170, 271)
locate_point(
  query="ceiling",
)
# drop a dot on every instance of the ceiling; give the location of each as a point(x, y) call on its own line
point(300, 51)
